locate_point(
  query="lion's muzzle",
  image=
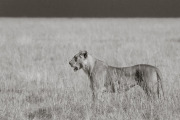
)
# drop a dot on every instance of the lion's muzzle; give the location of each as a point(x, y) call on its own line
point(74, 67)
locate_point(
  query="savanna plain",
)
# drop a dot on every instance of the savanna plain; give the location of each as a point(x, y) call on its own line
point(37, 83)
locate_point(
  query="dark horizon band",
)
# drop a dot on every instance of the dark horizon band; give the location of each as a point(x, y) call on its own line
point(89, 8)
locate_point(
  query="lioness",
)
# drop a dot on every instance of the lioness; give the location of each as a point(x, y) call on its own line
point(106, 78)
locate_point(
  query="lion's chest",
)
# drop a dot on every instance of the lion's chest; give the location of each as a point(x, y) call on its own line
point(99, 80)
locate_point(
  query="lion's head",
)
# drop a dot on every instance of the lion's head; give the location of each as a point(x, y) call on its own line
point(78, 60)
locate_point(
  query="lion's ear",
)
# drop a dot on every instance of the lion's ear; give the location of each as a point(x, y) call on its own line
point(84, 53)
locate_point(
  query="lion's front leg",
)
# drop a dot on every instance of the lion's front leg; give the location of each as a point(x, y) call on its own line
point(97, 92)
point(97, 85)
point(96, 95)
point(93, 90)
point(93, 96)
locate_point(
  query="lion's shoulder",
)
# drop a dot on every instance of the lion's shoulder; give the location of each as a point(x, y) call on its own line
point(100, 66)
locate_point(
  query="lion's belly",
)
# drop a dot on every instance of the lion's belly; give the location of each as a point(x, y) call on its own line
point(124, 83)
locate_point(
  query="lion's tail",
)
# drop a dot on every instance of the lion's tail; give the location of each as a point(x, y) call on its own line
point(160, 83)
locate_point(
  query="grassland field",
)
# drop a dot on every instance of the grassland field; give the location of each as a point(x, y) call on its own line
point(37, 83)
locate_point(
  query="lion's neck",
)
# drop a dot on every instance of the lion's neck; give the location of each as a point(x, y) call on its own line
point(89, 65)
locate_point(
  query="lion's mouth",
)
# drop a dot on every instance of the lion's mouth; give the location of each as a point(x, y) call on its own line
point(75, 69)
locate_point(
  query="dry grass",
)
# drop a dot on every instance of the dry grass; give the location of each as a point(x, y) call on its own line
point(36, 81)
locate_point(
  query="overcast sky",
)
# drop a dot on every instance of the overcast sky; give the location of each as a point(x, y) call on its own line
point(90, 8)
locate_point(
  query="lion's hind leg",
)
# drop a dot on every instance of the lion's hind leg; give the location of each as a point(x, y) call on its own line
point(151, 85)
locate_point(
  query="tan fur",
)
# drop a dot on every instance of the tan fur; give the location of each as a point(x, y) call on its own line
point(105, 78)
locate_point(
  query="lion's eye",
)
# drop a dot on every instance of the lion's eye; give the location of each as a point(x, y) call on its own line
point(75, 58)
